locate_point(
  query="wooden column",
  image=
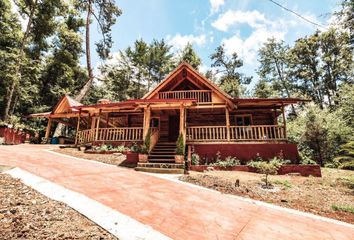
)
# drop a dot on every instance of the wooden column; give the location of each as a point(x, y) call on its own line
point(146, 122)
point(77, 128)
point(182, 129)
point(284, 120)
point(97, 125)
point(227, 115)
point(49, 126)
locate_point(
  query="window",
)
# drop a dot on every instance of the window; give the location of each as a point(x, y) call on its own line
point(242, 120)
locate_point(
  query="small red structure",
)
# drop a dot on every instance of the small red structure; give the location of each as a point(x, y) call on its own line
point(12, 136)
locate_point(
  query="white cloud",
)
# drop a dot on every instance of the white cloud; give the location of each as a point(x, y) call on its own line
point(262, 29)
point(215, 5)
point(254, 19)
point(247, 49)
point(179, 41)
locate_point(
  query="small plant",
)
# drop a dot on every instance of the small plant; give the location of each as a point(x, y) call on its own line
point(145, 148)
point(285, 183)
point(227, 162)
point(134, 147)
point(180, 145)
point(343, 208)
point(120, 148)
point(195, 159)
point(269, 167)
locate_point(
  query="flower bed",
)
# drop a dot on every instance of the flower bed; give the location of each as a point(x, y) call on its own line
point(303, 170)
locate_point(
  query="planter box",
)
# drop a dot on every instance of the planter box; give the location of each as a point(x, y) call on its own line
point(303, 170)
point(143, 157)
point(132, 157)
point(179, 158)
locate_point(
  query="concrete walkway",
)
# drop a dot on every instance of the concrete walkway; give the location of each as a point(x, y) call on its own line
point(178, 211)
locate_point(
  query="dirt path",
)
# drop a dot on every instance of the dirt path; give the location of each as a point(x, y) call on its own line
point(27, 214)
point(308, 194)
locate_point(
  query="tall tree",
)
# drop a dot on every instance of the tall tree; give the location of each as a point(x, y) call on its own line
point(41, 24)
point(62, 73)
point(105, 12)
point(263, 89)
point(188, 55)
point(231, 79)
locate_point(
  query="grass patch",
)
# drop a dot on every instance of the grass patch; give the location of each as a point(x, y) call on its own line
point(347, 181)
point(284, 183)
point(343, 208)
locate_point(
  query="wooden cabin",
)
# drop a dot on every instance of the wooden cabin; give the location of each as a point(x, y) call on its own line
point(189, 104)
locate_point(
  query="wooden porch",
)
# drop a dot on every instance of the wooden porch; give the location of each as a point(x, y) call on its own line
point(195, 134)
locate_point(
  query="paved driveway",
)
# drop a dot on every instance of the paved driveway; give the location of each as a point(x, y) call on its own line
point(177, 210)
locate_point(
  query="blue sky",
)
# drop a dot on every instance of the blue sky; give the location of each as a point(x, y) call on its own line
point(242, 25)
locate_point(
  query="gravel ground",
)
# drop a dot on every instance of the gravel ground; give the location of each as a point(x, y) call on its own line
point(27, 214)
point(309, 194)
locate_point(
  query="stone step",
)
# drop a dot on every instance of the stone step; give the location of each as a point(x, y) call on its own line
point(160, 170)
point(162, 156)
point(162, 160)
point(162, 152)
point(161, 165)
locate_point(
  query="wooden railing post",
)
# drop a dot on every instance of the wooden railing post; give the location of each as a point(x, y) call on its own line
point(227, 115)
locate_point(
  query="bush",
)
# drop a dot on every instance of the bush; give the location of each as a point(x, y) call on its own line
point(195, 159)
point(345, 160)
point(180, 145)
point(145, 147)
point(227, 162)
point(270, 167)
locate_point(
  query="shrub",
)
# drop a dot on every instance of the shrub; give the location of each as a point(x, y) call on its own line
point(345, 160)
point(121, 148)
point(227, 162)
point(343, 208)
point(145, 147)
point(134, 147)
point(270, 167)
point(180, 145)
point(195, 159)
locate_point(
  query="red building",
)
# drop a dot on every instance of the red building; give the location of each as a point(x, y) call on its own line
point(184, 103)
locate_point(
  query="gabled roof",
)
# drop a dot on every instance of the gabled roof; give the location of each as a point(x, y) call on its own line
point(185, 66)
point(65, 105)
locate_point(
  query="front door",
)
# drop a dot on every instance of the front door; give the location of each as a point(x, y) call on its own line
point(173, 128)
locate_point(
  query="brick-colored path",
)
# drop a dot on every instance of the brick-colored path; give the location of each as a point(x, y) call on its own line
point(176, 210)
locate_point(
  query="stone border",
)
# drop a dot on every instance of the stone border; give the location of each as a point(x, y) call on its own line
point(118, 224)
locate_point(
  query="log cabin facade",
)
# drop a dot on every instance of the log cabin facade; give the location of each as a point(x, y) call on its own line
point(189, 104)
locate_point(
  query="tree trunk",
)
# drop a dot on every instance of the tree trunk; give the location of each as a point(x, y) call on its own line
point(86, 88)
point(89, 82)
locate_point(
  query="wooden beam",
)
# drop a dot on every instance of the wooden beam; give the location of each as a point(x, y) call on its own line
point(49, 126)
point(182, 119)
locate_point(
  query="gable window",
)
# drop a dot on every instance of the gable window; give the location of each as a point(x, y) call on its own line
point(242, 120)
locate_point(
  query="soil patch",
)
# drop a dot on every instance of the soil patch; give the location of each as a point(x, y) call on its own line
point(27, 214)
point(114, 159)
point(315, 195)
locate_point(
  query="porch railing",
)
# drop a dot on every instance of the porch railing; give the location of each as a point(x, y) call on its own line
point(236, 133)
point(200, 95)
point(110, 134)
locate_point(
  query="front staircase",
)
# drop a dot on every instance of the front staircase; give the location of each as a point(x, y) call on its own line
point(162, 160)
